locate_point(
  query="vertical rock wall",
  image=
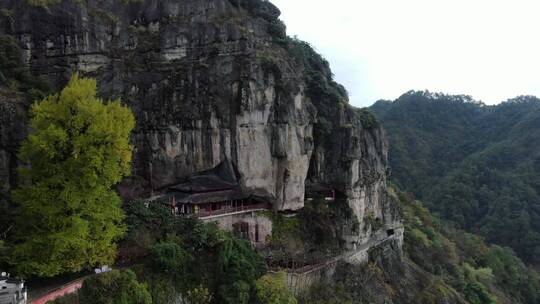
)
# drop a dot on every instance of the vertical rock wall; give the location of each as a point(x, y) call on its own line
point(191, 72)
point(13, 130)
point(209, 80)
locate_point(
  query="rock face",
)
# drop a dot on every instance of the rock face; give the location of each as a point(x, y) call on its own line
point(354, 160)
point(13, 130)
point(210, 80)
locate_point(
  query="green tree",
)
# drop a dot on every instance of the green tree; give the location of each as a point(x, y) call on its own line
point(474, 291)
point(199, 295)
point(325, 292)
point(236, 293)
point(148, 224)
point(69, 217)
point(238, 267)
point(272, 289)
point(114, 287)
point(169, 258)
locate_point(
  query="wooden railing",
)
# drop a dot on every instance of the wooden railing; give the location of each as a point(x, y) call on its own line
point(303, 267)
point(230, 210)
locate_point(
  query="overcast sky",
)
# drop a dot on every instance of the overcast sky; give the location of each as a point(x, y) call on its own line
point(379, 49)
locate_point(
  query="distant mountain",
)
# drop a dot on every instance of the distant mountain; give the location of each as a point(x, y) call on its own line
point(475, 165)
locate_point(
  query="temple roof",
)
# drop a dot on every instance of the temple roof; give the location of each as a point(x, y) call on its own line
point(215, 185)
point(220, 178)
point(318, 188)
point(208, 197)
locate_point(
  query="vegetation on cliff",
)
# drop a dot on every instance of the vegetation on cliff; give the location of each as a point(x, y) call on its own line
point(483, 273)
point(440, 263)
point(472, 164)
point(184, 256)
point(13, 72)
point(272, 289)
point(18, 88)
point(116, 286)
point(312, 236)
point(186, 260)
point(323, 90)
point(68, 217)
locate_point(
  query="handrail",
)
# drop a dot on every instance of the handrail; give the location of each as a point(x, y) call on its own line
point(224, 211)
point(313, 267)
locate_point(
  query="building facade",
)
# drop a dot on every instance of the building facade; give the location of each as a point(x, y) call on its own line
point(215, 196)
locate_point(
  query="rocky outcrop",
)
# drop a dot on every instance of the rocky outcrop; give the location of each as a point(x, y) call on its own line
point(210, 80)
point(354, 160)
point(13, 130)
point(191, 72)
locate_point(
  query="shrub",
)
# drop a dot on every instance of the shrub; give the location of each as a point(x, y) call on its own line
point(148, 223)
point(114, 287)
point(272, 289)
point(170, 258)
point(199, 295)
point(368, 119)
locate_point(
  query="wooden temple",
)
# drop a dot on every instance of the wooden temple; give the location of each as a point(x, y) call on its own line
point(214, 192)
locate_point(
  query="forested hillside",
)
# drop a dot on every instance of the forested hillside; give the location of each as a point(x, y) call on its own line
point(473, 164)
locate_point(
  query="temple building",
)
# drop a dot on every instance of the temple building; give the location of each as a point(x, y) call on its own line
point(211, 193)
point(215, 196)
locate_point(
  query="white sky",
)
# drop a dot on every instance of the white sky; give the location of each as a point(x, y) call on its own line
point(379, 49)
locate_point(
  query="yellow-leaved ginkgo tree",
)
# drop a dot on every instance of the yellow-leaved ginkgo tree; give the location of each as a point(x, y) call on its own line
point(69, 217)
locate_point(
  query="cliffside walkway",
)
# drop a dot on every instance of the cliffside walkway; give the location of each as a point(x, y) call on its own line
point(347, 256)
point(299, 279)
point(206, 215)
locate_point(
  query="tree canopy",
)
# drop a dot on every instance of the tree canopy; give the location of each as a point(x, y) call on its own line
point(272, 289)
point(472, 164)
point(114, 287)
point(186, 258)
point(69, 217)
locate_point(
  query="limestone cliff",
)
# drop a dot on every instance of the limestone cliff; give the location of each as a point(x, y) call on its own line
point(210, 80)
point(13, 107)
point(12, 131)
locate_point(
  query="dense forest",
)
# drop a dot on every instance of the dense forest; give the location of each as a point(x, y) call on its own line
point(472, 164)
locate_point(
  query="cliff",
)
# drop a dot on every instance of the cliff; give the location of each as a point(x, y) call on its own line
point(210, 80)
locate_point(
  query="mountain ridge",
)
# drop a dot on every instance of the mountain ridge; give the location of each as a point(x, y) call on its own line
point(471, 163)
